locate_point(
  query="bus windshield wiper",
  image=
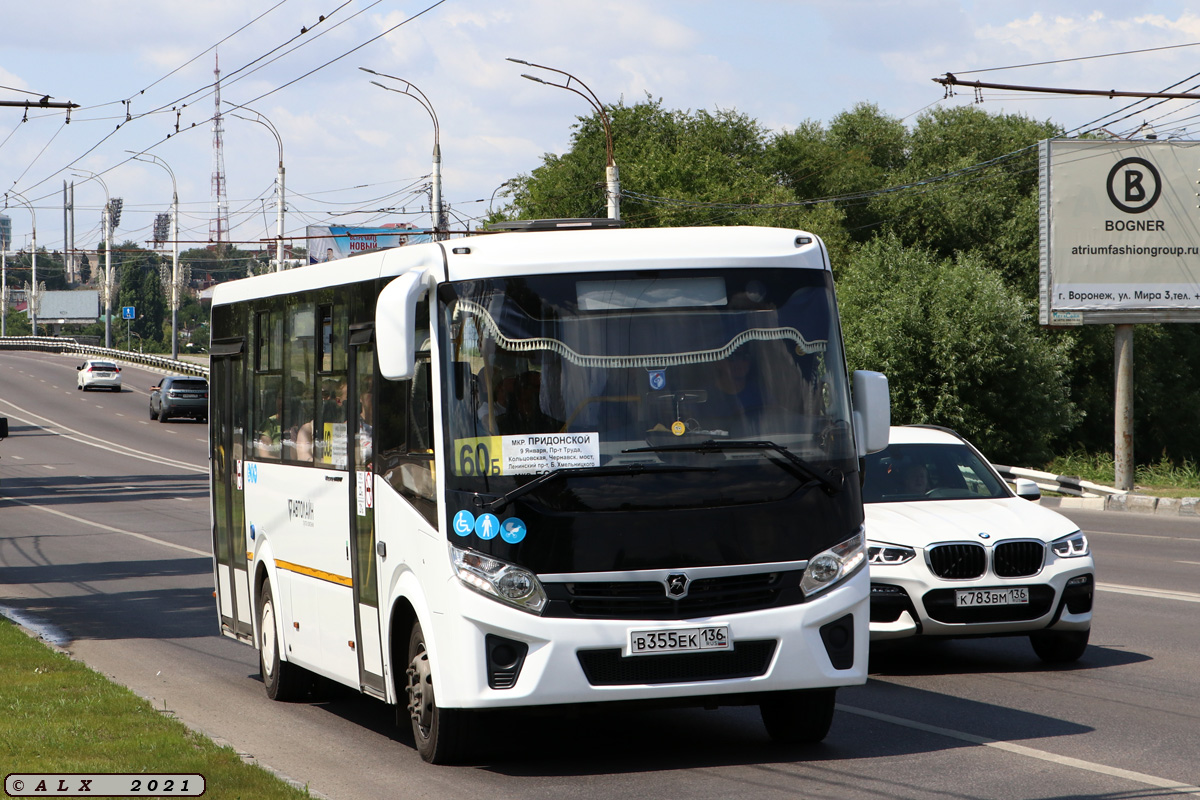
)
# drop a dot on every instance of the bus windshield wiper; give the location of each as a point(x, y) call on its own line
point(563, 472)
point(832, 482)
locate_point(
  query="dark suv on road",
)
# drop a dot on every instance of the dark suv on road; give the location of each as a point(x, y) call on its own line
point(179, 396)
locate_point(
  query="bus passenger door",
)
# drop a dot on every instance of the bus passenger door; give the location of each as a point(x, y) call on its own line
point(227, 423)
point(361, 414)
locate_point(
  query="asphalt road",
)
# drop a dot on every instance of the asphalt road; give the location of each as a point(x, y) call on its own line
point(104, 537)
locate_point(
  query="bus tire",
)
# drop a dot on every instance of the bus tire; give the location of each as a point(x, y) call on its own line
point(284, 681)
point(798, 717)
point(441, 735)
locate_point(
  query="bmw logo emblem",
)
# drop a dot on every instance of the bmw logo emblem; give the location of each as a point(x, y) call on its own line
point(983, 535)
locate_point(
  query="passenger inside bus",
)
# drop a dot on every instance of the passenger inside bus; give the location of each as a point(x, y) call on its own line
point(524, 412)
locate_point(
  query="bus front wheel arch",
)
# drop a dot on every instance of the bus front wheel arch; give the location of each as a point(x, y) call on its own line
point(441, 735)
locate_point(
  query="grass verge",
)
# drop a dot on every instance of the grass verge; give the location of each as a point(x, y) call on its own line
point(60, 716)
point(1162, 479)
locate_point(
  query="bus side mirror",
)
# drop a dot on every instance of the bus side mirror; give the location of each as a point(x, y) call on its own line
point(872, 411)
point(395, 325)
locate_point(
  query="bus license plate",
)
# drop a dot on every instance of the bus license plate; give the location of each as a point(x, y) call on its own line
point(679, 640)
point(1016, 596)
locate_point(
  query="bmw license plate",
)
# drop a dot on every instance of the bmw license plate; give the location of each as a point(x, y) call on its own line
point(1016, 596)
point(679, 640)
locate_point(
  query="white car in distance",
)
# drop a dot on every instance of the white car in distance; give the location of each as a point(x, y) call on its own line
point(98, 374)
point(954, 552)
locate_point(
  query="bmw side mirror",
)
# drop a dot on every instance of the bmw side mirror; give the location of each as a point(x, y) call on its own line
point(1027, 489)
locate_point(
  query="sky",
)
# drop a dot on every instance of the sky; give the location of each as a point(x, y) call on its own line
point(141, 73)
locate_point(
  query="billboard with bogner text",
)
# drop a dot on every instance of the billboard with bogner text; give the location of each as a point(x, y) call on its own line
point(1120, 232)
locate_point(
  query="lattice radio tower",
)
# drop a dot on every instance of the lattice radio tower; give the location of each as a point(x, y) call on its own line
point(218, 228)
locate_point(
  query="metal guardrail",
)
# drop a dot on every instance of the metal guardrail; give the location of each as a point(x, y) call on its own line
point(1060, 484)
point(64, 344)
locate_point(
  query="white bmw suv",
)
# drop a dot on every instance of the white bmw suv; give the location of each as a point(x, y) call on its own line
point(954, 552)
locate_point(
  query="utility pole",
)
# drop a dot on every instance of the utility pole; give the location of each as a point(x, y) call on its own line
point(612, 177)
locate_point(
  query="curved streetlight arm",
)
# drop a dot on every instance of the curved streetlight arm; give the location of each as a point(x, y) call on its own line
point(141, 156)
point(261, 120)
point(590, 97)
point(107, 217)
point(174, 247)
point(33, 287)
point(279, 223)
point(420, 97)
point(435, 205)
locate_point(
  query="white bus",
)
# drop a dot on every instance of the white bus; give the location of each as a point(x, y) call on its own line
point(547, 468)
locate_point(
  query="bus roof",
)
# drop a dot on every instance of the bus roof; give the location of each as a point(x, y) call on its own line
point(547, 252)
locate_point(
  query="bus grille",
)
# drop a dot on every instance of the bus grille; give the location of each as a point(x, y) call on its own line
point(648, 599)
point(748, 659)
point(957, 561)
point(1018, 559)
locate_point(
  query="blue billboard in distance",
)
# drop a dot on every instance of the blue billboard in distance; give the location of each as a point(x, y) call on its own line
point(331, 242)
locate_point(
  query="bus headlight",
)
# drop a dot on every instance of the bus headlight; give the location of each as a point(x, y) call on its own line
point(498, 580)
point(827, 569)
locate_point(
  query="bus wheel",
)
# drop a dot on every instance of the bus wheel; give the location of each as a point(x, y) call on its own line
point(440, 734)
point(284, 681)
point(799, 717)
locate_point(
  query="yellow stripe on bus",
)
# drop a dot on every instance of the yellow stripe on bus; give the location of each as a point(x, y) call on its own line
point(341, 580)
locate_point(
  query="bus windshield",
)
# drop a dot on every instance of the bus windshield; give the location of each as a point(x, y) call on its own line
point(577, 371)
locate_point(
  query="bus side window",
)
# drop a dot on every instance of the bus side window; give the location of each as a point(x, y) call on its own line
point(404, 437)
point(268, 386)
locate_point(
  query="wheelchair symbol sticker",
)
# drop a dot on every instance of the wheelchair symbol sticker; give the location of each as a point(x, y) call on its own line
point(464, 523)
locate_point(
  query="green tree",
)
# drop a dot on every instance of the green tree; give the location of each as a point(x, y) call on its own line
point(974, 181)
point(959, 347)
point(706, 163)
point(860, 153)
point(141, 288)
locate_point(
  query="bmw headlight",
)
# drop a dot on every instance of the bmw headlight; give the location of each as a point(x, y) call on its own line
point(881, 553)
point(498, 580)
point(1071, 546)
point(827, 569)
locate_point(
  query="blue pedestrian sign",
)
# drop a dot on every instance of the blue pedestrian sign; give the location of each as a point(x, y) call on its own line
point(127, 312)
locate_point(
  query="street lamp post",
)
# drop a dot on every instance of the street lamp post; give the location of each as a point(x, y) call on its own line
point(33, 284)
point(436, 177)
point(266, 123)
point(611, 174)
point(106, 223)
point(174, 250)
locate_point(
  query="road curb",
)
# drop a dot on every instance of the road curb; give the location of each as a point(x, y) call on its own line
point(1130, 503)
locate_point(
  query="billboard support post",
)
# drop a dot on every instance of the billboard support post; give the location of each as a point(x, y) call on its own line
point(1123, 406)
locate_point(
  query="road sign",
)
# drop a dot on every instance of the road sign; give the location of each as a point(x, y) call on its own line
point(127, 312)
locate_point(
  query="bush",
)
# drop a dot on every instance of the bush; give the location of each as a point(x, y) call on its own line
point(959, 347)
